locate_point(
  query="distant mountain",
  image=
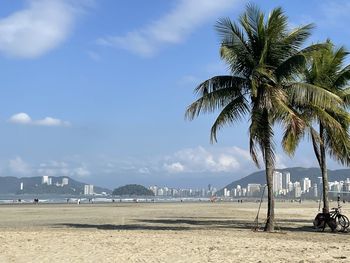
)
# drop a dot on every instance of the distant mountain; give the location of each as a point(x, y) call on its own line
point(33, 185)
point(296, 174)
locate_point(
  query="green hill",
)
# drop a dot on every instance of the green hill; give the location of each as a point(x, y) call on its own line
point(132, 190)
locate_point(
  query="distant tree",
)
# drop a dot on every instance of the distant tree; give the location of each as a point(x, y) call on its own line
point(263, 55)
point(133, 189)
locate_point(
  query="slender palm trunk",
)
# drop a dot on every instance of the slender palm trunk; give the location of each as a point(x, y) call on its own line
point(269, 167)
point(323, 167)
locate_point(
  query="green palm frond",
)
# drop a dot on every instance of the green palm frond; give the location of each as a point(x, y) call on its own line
point(215, 94)
point(234, 111)
point(305, 93)
point(343, 77)
point(290, 67)
point(346, 96)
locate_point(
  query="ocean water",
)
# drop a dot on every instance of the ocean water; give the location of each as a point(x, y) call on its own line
point(62, 199)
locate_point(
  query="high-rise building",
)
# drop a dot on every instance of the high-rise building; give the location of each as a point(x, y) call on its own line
point(239, 190)
point(277, 182)
point(88, 189)
point(64, 181)
point(226, 192)
point(346, 186)
point(336, 186)
point(234, 192)
point(154, 189)
point(305, 184)
point(45, 179)
point(285, 180)
point(160, 191)
point(297, 191)
point(253, 189)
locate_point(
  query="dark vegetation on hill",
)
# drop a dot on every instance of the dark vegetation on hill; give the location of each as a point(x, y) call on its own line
point(133, 190)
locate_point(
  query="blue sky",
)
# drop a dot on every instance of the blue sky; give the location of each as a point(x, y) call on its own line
point(97, 90)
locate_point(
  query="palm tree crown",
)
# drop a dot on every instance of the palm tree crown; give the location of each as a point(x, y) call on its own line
point(327, 71)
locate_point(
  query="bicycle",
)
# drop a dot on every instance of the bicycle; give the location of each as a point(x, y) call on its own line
point(334, 219)
point(341, 220)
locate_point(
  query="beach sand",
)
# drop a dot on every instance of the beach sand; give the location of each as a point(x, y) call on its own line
point(165, 232)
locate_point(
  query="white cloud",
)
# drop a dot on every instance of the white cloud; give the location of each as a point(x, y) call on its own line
point(40, 27)
point(18, 166)
point(81, 172)
point(144, 170)
point(21, 118)
point(56, 168)
point(24, 118)
point(216, 160)
point(48, 121)
point(174, 167)
point(173, 28)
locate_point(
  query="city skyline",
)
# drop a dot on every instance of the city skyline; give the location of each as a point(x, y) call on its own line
point(283, 187)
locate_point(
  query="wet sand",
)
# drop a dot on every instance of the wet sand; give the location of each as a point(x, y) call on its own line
point(165, 232)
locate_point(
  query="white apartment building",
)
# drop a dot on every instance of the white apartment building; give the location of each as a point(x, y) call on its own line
point(285, 180)
point(277, 182)
point(65, 181)
point(88, 189)
point(46, 180)
point(305, 184)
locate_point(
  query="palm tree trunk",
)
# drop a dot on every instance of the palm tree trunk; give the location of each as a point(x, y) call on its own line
point(324, 172)
point(269, 167)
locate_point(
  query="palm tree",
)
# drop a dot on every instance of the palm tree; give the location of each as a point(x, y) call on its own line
point(263, 56)
point(326, 71)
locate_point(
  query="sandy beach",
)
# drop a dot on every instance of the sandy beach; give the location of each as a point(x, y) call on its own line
point(165, 232)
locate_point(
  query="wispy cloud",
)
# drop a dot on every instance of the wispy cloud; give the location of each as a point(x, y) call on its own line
point(174, 167)
point(18, 166)
point(173, 28)
point(200, 160)
point(25, 119)
point(214, 160)
point(59, 168)
point(40, 27)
